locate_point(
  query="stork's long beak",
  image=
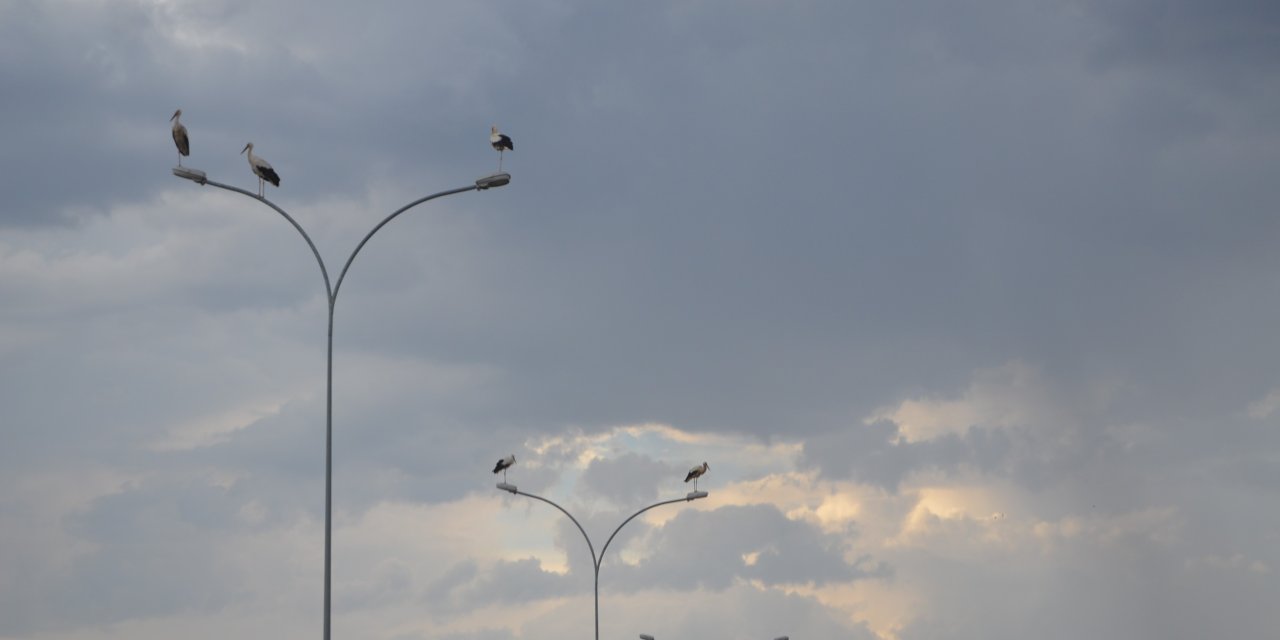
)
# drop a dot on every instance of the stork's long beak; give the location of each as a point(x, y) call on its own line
point(246, 147)
point(175, 115)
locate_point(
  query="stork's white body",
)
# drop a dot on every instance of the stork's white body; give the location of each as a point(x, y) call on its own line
point(500, 142)
point(696, 473)
point(505, 463)
point(180, 138)
point(261, 168)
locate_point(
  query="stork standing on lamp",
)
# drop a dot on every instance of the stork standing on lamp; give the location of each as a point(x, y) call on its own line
point(180, 138)
point(503, 465)
point(696, 473)
point(261, 168)
point(500, 142)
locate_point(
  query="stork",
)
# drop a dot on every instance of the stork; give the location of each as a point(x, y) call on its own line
point(261, 168)
point(504, 464)
point(500, 142)
point(180, 136)
point(696, 473)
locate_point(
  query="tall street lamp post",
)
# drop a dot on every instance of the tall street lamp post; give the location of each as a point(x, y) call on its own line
point(596, 559)
point(331, 290)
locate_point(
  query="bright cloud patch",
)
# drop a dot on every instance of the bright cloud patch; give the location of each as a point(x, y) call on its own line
point(1009, 396)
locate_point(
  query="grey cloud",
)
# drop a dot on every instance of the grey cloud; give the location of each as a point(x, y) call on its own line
point(720, 284)
point(872, 453)
point(153, 550)
point(767, 219)
point(439, 593)
point(763, 614)
point(708, 549)
point(1131, 588)
point(486, 634)
point(629, 479)
point(136, 63)
point(742, 611)
point(695, 550)
point(517, 581)
point(1188, 36)
point(392, 581)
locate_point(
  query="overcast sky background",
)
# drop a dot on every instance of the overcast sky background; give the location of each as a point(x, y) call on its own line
point(971, 307)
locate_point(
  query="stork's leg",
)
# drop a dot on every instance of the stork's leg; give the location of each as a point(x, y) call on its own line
point(179, 159)
point(499, 160)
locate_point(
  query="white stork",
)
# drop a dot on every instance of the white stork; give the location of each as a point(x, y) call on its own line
point(180, 136)
point(696, 473)
point(504, 464)
point(261, 168)
point(500, 142)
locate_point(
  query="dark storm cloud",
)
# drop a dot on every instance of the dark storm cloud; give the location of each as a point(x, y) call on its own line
point(1194, 37)
point(974, 220)
point(53, 66)
point(842, 173)
point(236, 80)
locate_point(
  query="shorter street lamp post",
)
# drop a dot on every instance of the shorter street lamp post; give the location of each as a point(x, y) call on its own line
point(597, 559)
point(645, 636)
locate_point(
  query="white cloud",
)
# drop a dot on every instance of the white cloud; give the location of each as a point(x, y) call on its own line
point(213, 429)
point(1012, 395)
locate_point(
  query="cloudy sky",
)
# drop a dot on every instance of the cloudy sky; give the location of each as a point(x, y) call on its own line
point(971, 307)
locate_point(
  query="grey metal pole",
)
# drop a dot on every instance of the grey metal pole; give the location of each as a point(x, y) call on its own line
point(597, 560)
point(331, 292)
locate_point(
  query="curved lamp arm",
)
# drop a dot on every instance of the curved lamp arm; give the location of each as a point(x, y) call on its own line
point(192, 175)
point(389, 218)
point(597, 559)
point(633, 517)
point(199, 177)
point(575, 520)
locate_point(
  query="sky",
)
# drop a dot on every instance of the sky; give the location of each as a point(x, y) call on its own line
point(970, 308)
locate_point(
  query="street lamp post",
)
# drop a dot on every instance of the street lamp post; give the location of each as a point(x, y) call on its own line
point(645, 636)
point(596, 560)
point(331, 290)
